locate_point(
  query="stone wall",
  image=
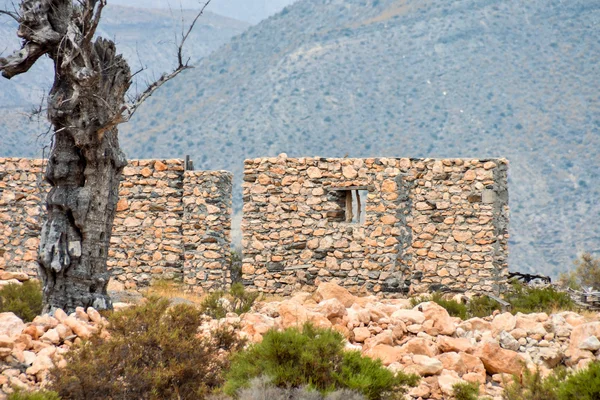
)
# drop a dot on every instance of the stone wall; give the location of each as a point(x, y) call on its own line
point(426, 223)
point(375, 225)
point(20, 214)
point(167, 221)
point(207, 229)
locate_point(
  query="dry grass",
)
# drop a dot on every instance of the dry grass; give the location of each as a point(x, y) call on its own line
point(169, 289)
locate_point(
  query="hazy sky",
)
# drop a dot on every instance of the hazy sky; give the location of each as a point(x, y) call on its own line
point(246, 10)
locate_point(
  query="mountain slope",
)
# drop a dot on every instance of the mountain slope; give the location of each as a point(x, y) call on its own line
point(146, 37)
point(470, 78)
point(251, 11)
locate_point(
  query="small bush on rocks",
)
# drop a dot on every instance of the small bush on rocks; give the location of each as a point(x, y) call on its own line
point(217, 304)
point(454, 308)
point(466, 391)
point(153, 352)
point(39, 395)
point(560, 385)
point(527, 299)
point(482, 306)
point(261, 388)
point(24, 300)
point(315, 358)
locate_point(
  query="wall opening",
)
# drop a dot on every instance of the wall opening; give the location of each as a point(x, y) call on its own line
point(351, 205)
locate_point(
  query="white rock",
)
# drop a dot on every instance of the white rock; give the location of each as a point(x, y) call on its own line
point(591, 343)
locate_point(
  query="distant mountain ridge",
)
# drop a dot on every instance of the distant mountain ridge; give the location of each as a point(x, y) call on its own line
point(407, 78)
point(146, 37)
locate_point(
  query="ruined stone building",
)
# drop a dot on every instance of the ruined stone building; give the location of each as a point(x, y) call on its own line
point(376, 225)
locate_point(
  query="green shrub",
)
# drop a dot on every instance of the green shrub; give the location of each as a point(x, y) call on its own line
point(530, 299)
point(466, 391)
point(560, 385)
point(153, 353)
point(25, 300)
point(454, 308)
point(369, 377)
point(314, 357)
point(261, 388)
point(581, 385)
point(39, 395)
point(482, 306)
point(217, 304)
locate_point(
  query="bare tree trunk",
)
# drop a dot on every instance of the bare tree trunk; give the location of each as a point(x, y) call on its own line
point(85, 105)
point(84, 170)
point(85, 164)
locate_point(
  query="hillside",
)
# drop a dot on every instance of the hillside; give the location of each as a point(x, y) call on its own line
point(407, 78)
point(252, 11)
point(146, 37)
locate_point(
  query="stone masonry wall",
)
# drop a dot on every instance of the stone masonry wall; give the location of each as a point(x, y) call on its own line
point(207, 229)
point(428, 223)
point(20, 214)
point(163, 211)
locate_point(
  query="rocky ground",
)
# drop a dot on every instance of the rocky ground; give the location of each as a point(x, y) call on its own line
point(422, 339)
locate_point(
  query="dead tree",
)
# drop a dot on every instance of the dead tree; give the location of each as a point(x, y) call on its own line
point(85, 105)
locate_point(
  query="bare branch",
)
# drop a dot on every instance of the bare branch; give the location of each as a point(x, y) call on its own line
point(20, 61)
point(96, 20)
point(187, 34)
point(13, 15)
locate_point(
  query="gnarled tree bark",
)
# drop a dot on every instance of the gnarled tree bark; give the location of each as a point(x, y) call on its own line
point(85, 105)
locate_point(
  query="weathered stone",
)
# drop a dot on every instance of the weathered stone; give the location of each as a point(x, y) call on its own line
point(10, 324)
point(499, 360)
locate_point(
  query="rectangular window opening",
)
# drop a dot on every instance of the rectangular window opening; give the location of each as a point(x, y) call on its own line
point(351, 205)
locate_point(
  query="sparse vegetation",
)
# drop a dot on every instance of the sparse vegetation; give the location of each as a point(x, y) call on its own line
point(528, 299)
point(482, 306)
point(466, 391)
point(315, 358)
point(38, 395)
point(24, 300)
point(454, 308)
point(586, 273)
point(153, 353)
point(217, 304)
point(560, 385)
point(261, 388)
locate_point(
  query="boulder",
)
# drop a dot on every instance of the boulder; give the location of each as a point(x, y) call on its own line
point(504, 322)
point(253, 323)
point(447, 380)
point(426, 366)
point(10, 324)
point(331, 308)
point(7, 342)
point(409, 317)
point(384, 337)
point(78, 327)
point(420, 346)
point(331, 290)
point(51, 336)
point(476, 324)
point(386, 353)
point(292, 313)
point(591, 343)
point(507, 341)
point(582, 332)
point(94, 315)
point(442, 323)
point(446, 344)
point(498, 360)
point(40, 364)
point(361, 334)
